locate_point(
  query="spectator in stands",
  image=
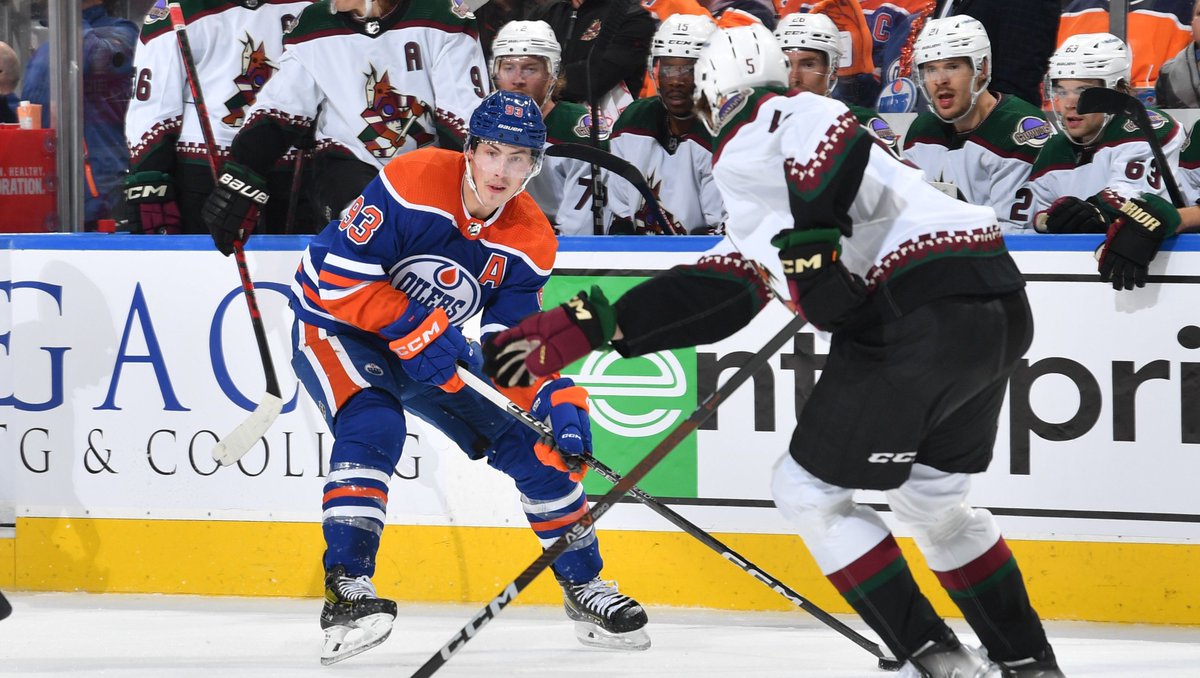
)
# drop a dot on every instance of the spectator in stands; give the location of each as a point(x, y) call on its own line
point(813, 47)
point(108, 43)
point(662, 136)
point(236, 49)
point(10, 77)
point(980, 146)
point(495, 14)
point(1178, 83)
point(605, 45)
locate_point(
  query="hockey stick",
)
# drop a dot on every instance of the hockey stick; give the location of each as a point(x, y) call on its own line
point(233, 446)
point(601, 506)
point(519, 413)
point(1113, 102)
point(621, 168)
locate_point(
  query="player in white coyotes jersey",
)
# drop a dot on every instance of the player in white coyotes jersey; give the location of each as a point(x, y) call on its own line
point(236, 45)
point(661, 136)
point(928, 318)
point(525, 58)
point(377, 79)
point(1095, 151)
point(983, 144)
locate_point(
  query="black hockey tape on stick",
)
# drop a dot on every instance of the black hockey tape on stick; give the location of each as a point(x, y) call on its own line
point(601, 506)
point(1113, 102)
point(522, 415)
point(239, 441)
point(621, 168)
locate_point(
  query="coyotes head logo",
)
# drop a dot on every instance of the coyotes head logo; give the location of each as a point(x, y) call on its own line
point(391, 118)
point(645, 215)
point(257, 69)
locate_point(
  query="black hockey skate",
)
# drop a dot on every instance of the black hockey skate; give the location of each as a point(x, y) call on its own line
point(945, 657)
point(354, 618)
point(605, 617)
point(1044, 665)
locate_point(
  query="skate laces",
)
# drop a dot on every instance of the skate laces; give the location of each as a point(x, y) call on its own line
point(601, 596)
point(354, 588)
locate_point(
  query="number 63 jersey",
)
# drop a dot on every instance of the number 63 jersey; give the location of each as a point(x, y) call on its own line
point(1120, 160)
point(408, 239)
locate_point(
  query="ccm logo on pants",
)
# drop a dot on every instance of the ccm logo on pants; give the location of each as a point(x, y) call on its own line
point(891, 457)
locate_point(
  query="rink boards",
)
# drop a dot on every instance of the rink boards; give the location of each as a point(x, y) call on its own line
point(126, 357)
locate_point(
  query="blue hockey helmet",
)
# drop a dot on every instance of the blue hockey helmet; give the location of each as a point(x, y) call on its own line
point(509, 118)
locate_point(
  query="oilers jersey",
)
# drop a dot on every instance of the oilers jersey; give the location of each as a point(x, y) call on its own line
point(989, 164)
point(381, 86)
point(678, 168)
point(408, 239)
point(236, 47)
point(1120, 160)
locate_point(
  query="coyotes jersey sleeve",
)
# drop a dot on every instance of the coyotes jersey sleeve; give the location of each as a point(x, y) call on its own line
point(236, 47)
point(1189, 168)
point(877, 127)
point(407, 239)
point(382, 86)
point(829, 173)
point(1120, 159)
point(678, 168)
point(563, 189)
point(989, 164)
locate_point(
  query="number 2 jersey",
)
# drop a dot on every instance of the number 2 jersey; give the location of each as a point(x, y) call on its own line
point(989, 164)
point(408, 239)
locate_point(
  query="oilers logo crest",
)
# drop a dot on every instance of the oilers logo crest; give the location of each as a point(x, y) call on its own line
point(900, 96)
point(391, 118)
point(438, 282)
point(257, 69)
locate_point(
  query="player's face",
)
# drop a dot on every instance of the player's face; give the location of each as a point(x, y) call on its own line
point(676, 78)
point(524, 74)
point(1065, 95)
point(948, 84)
point(499, 170)
point(810, 71)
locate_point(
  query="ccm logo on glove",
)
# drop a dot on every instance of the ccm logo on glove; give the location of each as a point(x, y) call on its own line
point(244, 189)
point(800, 265)
point(414, 343)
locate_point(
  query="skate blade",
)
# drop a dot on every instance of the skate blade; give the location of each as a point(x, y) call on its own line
point(594, 636)
point(344, 642)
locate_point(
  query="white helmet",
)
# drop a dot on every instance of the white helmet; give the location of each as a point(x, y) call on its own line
point(732, 61)
point(815, 32)
point(953, 37)
point(1088, 56)
point(527, 38)
point(811, 31)
point(1091, 56)
point(681, 35)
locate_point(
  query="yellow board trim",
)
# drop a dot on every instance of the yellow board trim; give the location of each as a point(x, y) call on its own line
point(1096, 581)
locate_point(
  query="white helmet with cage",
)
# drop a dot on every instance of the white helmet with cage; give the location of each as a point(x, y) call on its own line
point(811, 31)
point(681, 35)
point(956, 37)
point(1088, 56)
point(733, 61)
point(528, 39)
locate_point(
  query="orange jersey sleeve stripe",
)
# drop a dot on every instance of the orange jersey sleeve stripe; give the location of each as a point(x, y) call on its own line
point(371, 308)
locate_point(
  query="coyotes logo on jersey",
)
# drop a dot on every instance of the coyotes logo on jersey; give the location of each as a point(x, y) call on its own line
point(642, 218)
point(257, 69)
point(391, 118)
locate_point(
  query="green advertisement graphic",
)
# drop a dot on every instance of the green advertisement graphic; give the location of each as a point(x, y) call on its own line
point(635, 402)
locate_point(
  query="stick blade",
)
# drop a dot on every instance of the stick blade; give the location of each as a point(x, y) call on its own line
point(235, 445)
point(1105, 100)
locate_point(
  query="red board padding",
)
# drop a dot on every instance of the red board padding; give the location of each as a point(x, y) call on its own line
point(27, 180)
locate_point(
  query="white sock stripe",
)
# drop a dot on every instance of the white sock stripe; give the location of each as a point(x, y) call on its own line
point(548, 506)
point(344, 474)
point(354, 512)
